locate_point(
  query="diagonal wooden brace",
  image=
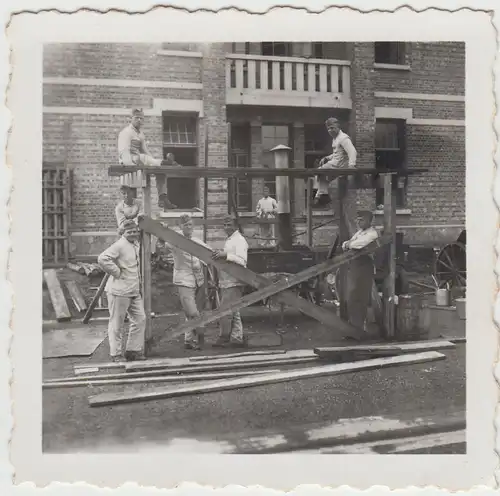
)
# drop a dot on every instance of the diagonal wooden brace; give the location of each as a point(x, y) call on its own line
point(258, 281)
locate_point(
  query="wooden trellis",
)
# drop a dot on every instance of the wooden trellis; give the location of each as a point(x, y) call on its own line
point(56, 206)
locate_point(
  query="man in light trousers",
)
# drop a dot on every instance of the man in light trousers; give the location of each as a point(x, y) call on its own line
point(236, 251)
point(121, 261)
point(189, 280)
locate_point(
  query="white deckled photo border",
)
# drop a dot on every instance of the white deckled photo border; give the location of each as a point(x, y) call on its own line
point(26, 34)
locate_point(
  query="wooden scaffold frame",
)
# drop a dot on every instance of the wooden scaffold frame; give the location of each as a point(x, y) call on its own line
point(353, 178)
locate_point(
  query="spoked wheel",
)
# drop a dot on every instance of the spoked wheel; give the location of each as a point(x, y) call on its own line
point(450, 266)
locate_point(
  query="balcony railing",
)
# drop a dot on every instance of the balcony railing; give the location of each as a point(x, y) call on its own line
point(261, 80)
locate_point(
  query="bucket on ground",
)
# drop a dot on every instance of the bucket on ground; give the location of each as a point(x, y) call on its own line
point(460, 306)
point(442, 297)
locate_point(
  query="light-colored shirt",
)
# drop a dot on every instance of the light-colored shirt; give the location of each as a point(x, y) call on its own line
point(236, 247)
point(124, 212)
point(188, 270)
point(267, 206)
point(361, 238)
point(344, 154)
point(131, 143)
point(121, 261)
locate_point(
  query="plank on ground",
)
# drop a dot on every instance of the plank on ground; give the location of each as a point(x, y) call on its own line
point(236, 355)
point(56, 295)
point(186, 363)
point(255, 280)
point(76, 295)
point(228, 384)
point(419, 346)
point(125, 379)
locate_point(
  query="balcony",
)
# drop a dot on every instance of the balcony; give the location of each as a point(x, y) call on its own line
point(287, 81)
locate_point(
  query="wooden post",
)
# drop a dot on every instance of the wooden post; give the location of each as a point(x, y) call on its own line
point(343, 236)
point(146, 262)
point(205, 190)
point(390, 280)
point(281, 160)
point(309, 214)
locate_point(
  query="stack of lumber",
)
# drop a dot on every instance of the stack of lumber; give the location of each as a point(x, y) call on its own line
point(205, 374)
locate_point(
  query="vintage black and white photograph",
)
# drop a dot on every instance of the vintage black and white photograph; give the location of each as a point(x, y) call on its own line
point(252, 247)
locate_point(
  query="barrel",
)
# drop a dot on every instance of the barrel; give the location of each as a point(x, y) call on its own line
point(460, 306)
point(410, 319)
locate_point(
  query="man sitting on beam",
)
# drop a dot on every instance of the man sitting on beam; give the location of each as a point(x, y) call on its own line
point(361, 271)
point(343, 156)
point(133, 150)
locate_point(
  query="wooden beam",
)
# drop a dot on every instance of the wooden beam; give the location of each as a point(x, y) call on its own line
point(256, 280)
point(260, 380)
point(389, 289)
point(419, 346)
point(309, 214)
point(236, 355)
point(56, 295)
point(343, 235)
point(93, 381)
point(95, 300)
point(281, 161)
point(274, 288)
point(146, 264)
point(76, 296)
point(228, 172)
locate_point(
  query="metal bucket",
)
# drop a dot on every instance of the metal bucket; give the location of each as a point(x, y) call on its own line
point(442, 298)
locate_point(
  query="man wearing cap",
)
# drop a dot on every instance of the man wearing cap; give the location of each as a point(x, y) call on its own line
point(121, 261)
point(129, 208)
point(236, 251)
point(361, 271)
point(343, 156)
point(133, 150)
point(189, 280)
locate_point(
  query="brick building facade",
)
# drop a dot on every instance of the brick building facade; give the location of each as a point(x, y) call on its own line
point(403, 104)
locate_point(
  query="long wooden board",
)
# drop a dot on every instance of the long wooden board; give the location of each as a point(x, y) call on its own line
point(419, 346)
point(76, 296)
point(236, 355)
point(92, 381)
point(275, 378)
point(179, 363)
point(57, 296)
point(256, 280)
point(258, 172)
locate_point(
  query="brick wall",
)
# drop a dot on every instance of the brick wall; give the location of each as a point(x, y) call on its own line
point(435, 68)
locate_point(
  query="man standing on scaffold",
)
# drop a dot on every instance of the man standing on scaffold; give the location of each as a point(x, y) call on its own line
point(343, 156)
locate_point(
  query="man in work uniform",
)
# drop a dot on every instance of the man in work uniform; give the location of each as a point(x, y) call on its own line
point(189, 280)
point(133, 150)
point(343, 156)
point(121, 261)
point(361, 271)
point(235, 250)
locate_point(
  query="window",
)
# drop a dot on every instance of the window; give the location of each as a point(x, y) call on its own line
point(240, 48)
point(390, 152)
point(240, 157)
point(180, 139)
point(390, 53)
point(276, 49)
point(273, 136)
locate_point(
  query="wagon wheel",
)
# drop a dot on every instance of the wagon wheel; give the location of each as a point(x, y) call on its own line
point(213, 290)
point(450, 265)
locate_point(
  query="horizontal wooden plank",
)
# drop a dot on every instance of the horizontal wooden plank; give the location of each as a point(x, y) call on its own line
point(126, 379)
point(274, 378)
point(236, 355)
point(56, 295)
point(418, 346)
point(229, 172)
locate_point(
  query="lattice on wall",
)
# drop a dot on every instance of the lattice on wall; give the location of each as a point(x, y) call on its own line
point(56, 215)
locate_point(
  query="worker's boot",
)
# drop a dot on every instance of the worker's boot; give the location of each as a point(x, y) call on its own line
point(118, 358)
point(134, 356)
point(321, 200)
point(240, 344)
